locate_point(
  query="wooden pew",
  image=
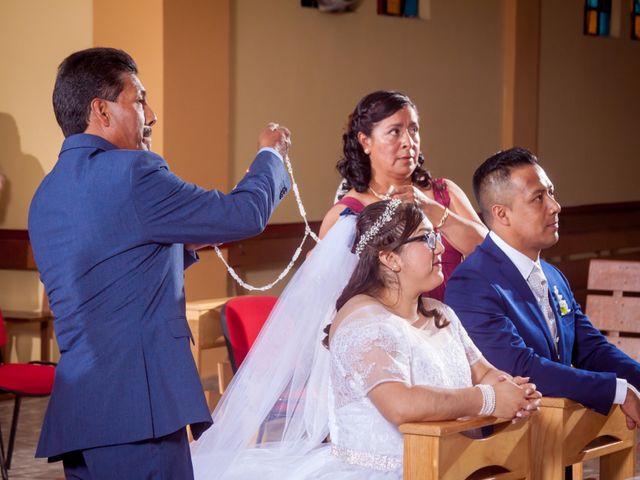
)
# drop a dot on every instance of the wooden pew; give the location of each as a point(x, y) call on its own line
point(450, 450)
point(561, 434)
point(616, 313)
point(565, 433)
point(16, 254)
point(203, 317)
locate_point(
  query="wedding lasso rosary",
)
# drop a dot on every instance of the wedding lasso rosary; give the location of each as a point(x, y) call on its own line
point(307, 233)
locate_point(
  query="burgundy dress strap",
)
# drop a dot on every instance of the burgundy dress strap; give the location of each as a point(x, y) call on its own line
point(451, 257)
point(353, 203)
point(440, 191)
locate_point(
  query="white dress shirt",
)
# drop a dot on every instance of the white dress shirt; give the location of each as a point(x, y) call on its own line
point(525, 265)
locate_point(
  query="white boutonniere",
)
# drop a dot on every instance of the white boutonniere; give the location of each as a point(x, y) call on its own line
point(562, 303)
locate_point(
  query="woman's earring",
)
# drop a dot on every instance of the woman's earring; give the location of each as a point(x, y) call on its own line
point(366, 151)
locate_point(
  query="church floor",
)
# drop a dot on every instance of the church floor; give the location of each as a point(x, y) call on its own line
point(26, 467)
point(23, 464)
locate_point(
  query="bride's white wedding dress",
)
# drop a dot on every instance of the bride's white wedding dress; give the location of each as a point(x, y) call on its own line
point(322, 392)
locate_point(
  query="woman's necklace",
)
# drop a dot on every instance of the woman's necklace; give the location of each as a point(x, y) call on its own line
point(379, 195)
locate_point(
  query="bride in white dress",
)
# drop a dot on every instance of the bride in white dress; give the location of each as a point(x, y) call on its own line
point(296, 410)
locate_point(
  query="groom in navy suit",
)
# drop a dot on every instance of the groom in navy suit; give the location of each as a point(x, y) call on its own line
point(519, 310)
point(112, 230)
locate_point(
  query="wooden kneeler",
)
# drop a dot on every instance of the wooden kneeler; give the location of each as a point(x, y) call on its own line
point(445, 450)
point(565, 433)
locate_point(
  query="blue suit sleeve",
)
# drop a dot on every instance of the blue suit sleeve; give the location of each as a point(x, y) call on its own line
point(592, 350)
point(190, 257)
point(485, 314)
point(171, 210)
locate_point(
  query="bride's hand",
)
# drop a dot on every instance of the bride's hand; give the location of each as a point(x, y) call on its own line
point(515, 398)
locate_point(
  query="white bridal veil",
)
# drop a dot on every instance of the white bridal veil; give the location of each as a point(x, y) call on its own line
point(277, 403)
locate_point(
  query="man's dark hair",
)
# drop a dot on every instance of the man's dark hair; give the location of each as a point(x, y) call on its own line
point(491, 177)
point(83, 76)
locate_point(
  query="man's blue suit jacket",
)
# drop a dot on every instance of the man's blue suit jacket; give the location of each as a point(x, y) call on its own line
point(500, 313)
point(107, 227)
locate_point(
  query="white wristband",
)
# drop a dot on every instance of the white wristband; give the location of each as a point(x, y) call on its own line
point(488, 399)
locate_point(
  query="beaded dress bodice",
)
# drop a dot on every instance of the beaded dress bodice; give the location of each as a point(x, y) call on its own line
point(372, 346)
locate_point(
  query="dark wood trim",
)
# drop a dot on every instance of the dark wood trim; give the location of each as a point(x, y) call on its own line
point(616, 223)
point(278, 231)
point(601, 208)
point(15, 250)
point(14, 234)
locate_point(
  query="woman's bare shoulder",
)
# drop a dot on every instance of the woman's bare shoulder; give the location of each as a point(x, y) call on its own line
point(332, 215)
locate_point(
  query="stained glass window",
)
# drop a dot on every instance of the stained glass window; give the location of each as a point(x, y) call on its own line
point(398, 8)
point(635, 20)
point(597, 17)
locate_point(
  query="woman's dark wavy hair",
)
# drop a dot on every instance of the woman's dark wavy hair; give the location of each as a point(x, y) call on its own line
point(355, 166)
point(368, 277)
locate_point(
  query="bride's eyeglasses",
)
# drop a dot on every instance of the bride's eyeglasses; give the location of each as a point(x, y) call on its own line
point(430, 238)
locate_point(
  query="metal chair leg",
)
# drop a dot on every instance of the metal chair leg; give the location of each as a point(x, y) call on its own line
point(3, 464)
point(12, 434)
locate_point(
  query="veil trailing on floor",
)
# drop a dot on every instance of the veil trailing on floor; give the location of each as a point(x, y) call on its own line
point(277, 403)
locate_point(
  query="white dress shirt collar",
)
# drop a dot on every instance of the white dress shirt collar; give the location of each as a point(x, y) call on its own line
point(523, 263)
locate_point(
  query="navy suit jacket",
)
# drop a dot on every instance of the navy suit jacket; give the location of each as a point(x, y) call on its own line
point(107, 227)
point(500, 313)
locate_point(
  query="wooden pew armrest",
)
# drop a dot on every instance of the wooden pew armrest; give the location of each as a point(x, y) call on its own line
point(448, 427)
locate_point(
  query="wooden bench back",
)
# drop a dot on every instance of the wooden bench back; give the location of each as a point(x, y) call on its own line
point(616, 312)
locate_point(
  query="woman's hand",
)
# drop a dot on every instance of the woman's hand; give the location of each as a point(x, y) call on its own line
point(515, 398)
point(411, 194)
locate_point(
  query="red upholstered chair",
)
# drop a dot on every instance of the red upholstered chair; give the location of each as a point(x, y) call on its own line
point(33, 379)
point(242, 319)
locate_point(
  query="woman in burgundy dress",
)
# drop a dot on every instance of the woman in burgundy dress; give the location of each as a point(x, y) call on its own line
point(382, 160)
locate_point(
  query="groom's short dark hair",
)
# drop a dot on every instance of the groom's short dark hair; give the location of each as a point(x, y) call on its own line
point(490, 178)
point(83, 76)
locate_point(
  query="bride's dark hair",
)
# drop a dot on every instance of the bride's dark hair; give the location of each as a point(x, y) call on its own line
point(355, 166)
point(368, 278)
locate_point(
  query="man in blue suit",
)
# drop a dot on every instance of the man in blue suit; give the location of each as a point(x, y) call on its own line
point(112, 230)
point(519, 310)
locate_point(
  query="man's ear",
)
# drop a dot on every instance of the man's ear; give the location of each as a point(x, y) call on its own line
point(500, 215)
point(365, 142)
point(391, 260)
point(99, 112)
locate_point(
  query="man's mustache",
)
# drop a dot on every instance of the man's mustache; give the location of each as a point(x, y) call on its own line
point(146, 132)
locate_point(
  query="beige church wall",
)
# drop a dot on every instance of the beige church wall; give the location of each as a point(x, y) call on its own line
point(196, 95)
point(589, 119)
point(139, 32)
point(307, 70)
point(182, 52)
point(34, 37)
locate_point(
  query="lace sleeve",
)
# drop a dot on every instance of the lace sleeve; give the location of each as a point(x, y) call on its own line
point(369, 350)
point(472, 352)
